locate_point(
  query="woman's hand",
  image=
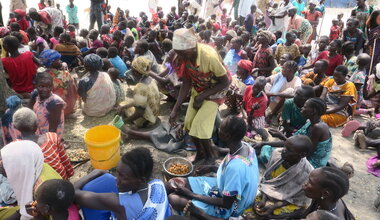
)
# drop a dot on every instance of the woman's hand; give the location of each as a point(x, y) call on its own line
point(31, 209)
point(266, 210)
point(276, 133)
point(198, 101)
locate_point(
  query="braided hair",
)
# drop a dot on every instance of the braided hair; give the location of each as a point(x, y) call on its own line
point(334, 180)
point(140, 161)
point(319, 105)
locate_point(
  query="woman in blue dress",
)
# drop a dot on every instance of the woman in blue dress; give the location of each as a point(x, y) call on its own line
point(234, 188)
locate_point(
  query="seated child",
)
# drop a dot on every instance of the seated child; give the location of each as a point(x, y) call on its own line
point(358, 77)
point(280, 190)
point(102, 52)
point(317, 76)
point(371, 90)
point(54, 200)
point(116, 61)
point(283, 59)
point(71, 29)
point(115, 77)
point(69, 51)
point(305, 51)
point(289, 47)
point(55, 39)
point(255, 102)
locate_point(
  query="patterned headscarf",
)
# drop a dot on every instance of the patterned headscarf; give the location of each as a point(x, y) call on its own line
point(267, 34)
point(184, 39)
point(4, 31)
point(245, 64)
point(94, 61)
point(47, 57)
point(142, 65)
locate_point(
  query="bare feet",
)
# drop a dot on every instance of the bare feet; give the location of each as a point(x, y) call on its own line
point(191, 210)
point(360, 139)
point(348, 169)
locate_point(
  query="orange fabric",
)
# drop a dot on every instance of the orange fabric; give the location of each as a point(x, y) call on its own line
point(334, 120)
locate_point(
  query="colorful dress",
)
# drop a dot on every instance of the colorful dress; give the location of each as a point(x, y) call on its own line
point(334, 94)
point(283, 49)
point(291, 114)
point(42, 109)
point(65, 87)
point(261, 60)
point(351, 65)
point(312, 16)
point(303, 26)
point(231, 180)
point(321, 155)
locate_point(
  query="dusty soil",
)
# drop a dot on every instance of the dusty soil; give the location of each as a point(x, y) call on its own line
point(363, 186)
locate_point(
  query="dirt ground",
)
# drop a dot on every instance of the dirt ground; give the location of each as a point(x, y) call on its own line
point(364, 187)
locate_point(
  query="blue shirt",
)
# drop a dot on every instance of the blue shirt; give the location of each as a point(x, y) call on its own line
point(119, 64)
point(249, 80)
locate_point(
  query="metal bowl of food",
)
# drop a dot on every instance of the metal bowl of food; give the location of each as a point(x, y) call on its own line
point(177, 167)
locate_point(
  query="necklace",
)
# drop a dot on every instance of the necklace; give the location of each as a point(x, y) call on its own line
point(238, 150)
point(333, 209)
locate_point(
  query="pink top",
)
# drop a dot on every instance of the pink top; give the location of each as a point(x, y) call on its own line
point(54, 41)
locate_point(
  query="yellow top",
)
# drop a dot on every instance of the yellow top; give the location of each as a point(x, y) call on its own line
point(277, 172)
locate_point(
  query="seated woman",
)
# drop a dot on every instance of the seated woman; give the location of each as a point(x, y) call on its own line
point(20, 69)
point(234, 188)
point(281, 194)
point(96, 89)
point(136, 195)
point(22, 162)
point(315, 129)
point(292, 118)
point(64, 84)
point(326, 186)
point(25, 120)
point(340, 96)
point(69, 51)
point(146, 98)
point(280, 86)
point(48, 106)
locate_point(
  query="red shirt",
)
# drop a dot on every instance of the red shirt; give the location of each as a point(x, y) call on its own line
point(334, 33)
point(21, 71)
point(249, 101)
point(72, 34)
point(333, 61)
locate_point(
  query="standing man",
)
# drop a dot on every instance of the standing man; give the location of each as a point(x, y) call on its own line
point(203, 73)
point(96, 13)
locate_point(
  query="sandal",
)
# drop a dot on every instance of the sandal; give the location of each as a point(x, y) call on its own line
point(350, 127)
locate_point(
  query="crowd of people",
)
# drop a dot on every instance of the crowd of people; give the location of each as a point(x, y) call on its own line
point(265, 71)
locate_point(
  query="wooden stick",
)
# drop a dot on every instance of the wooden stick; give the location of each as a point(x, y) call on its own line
point(373, 56)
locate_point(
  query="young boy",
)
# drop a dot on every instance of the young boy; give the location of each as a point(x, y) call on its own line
point(340, 22)
point(115, 77)
point(53, 200)
point(116, 61)
point(305, 51)
point(71, 29)
point(255, 103)
point(335, 30)
point(289, 47)
point(358, 77)
point(354, 34)
point(317, 76)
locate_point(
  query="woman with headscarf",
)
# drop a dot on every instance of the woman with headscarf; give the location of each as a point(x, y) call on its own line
point(22, 162)
point(96, 89)
point(63, 83)
point(263, 62)
point(146, 98)
point(300, 24)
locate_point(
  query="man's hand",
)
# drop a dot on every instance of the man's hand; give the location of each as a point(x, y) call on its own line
point(198, 101)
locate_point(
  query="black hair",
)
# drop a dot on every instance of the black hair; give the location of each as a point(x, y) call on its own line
point(290, 34)
point(291, 64)
point(102, 52)
point(129, 40)
point(65, 37)
point(42, 75)
point(71, 27)
point(94, 32)
point(338, 44)
point(167, 43)
point(353, 19)
point(140, 161)
point(319, 105)
point(57, 193)
point(15, 27)
point(31, 31)
point(144, 45)
point(301, 142)
point(308, 91)
point(278, 34)
point(207, 34)
point(348, 47)
point(334, 180)
point(18, 35)
point(113, 71)
point(84, 32)
point(106, 64)
point(372, 23)
point(112, 52)
point(58, 29)
point(237, 127)
point(343, 69)
point(324, 62)
point(12, 42)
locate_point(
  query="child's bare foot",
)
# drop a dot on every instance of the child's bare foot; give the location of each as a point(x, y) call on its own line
point(361, 139)
point(191, 209)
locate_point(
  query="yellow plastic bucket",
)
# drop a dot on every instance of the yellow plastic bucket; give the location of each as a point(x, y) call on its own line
point(103, 145)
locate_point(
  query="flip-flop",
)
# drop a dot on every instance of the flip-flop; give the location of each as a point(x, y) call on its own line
point(350, 127)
